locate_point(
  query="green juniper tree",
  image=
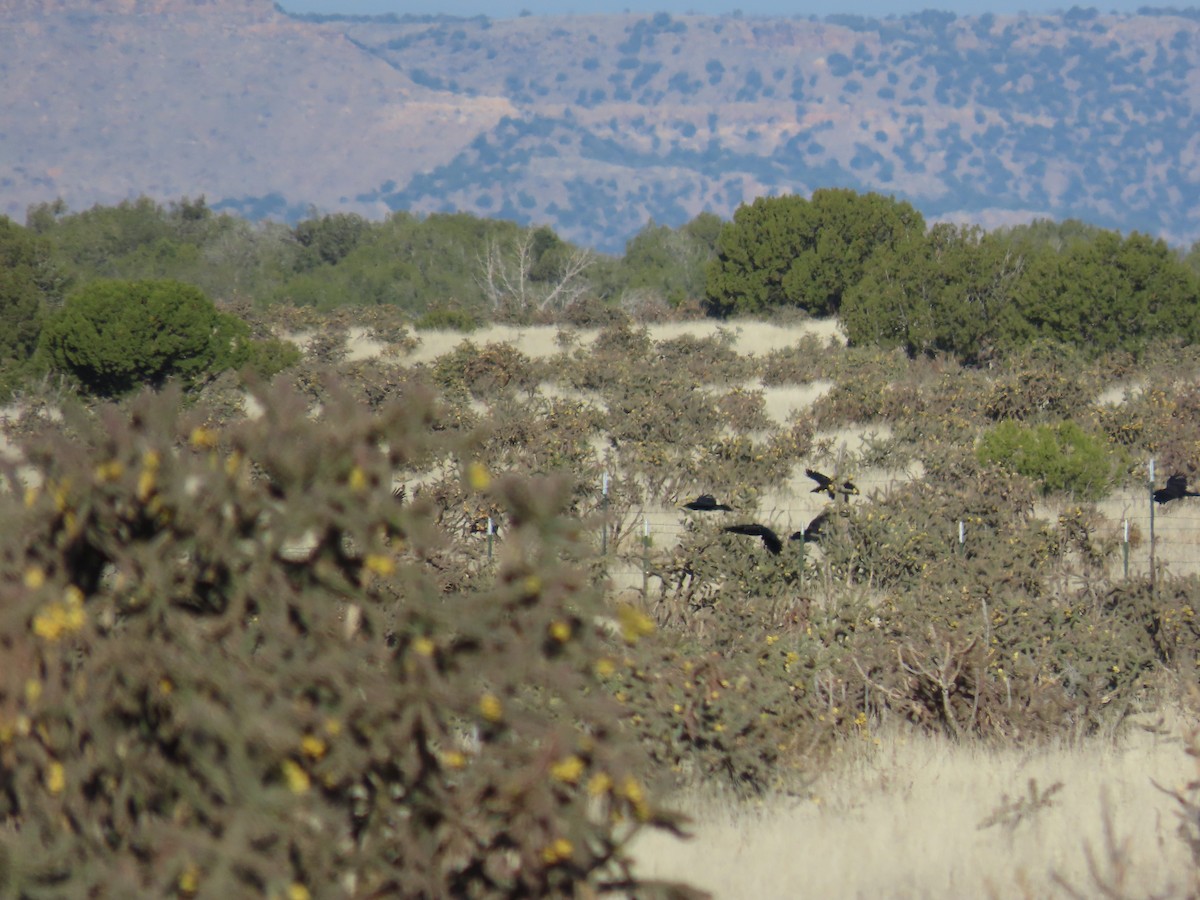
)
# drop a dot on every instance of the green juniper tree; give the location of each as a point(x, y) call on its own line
point(116, 335)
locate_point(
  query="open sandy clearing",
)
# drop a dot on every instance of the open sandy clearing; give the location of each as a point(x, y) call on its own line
point(540, 341)
point(906, 822)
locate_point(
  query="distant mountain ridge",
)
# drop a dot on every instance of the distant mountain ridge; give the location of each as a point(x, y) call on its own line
point(597, 124)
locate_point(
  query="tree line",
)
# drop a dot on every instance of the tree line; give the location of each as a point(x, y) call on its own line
point(150, 273)
point(953, 289)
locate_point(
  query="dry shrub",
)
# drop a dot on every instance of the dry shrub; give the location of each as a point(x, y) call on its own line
point(703, 360)
point(485, 371)
point(807, 360)
point(543, 435)
point(592, 311)
point(743, 410)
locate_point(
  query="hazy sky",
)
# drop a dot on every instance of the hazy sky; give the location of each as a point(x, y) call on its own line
point(499, 8)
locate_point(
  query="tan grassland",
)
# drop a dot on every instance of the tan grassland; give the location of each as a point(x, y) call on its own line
point(908, 818)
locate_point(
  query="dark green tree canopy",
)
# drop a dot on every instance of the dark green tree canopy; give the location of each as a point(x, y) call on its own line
point(1111, 293)
point(116, 335)
point(948, 291)
point(973, 293)
point(329, 239)
point(789, 251)
point(668, 261)
point(29, 282)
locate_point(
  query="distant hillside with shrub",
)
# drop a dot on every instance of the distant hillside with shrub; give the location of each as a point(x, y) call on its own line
point(598, 125)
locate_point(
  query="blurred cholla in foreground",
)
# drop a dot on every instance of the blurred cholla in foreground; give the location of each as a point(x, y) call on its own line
point(235, 666)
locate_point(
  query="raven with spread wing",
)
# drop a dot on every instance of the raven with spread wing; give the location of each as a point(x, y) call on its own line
point(1176, 489)
point(826, 485)
point(772, 541)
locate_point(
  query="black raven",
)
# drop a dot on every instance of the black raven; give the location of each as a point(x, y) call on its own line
point(825, 484)
point(812, 533)
point(769, 538)
point(772, 541)
point(1176, 489)
point(707, 503)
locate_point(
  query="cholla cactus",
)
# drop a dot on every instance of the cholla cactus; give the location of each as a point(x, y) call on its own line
point(233, 667)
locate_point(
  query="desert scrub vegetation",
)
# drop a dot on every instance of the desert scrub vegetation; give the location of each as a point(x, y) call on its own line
point(280, 651)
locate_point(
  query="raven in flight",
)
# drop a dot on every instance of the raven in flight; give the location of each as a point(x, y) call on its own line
point(772, 541)
point(812, 533)
point(707, 503)
point(1176, 489)
point(825, 483)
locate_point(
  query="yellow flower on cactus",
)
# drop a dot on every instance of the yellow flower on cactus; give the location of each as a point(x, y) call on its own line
point(35, 577)
point(50, 623)
point(203, 438)
point(146, 483)
point(635, 624)
point(297, 891)
point(557, 851)
point(599, 784)
point(295, 776)
point(632, 791)
point(108, 472)
point(478, 476)
point(56, 778)
point(380, 564)
point(358, 480)
point(423, 646)
point(74, 617)
point(568, 770)
point(560, 631)
point(312, 746)
point(189, 879)
point(491, 708)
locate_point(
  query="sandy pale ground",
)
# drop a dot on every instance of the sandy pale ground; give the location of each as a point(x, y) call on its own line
point(905, 822)
point(539, 341)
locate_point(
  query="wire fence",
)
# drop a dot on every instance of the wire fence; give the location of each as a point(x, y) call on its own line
point(1153, 539)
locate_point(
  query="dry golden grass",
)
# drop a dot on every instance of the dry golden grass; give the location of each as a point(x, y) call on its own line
point(908, 818)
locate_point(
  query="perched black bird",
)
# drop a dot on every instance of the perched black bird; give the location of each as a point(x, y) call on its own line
point(707, 503)
point(772, 541)
point(1176, 489)
point(825, 484)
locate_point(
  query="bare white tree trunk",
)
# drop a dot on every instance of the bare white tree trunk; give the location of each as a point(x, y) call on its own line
point(504, 277)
